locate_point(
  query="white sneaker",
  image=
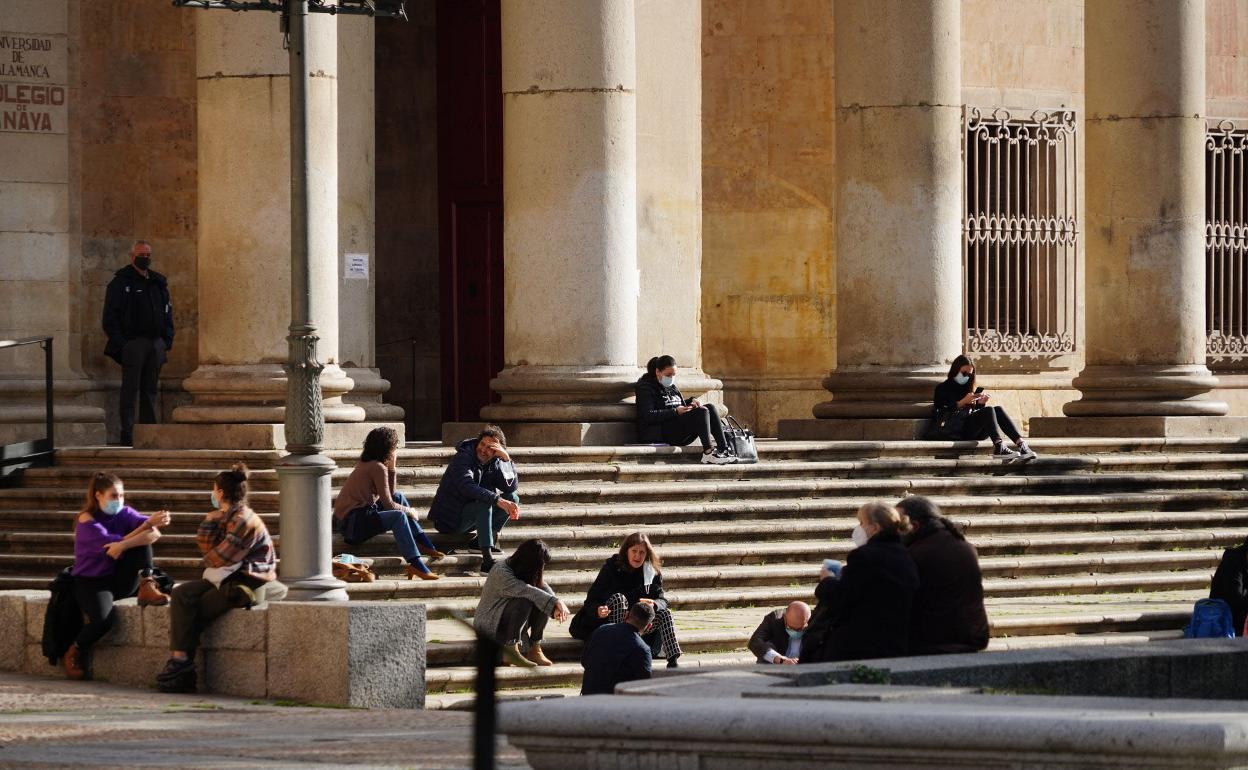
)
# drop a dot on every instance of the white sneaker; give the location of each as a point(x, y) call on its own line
point(1004, 453)
point(718, 458)
point(1025, 452)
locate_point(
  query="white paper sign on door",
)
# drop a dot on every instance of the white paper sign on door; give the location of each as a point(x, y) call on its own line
point(355, 267)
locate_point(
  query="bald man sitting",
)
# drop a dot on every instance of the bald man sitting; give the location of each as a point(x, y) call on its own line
point(778, 639)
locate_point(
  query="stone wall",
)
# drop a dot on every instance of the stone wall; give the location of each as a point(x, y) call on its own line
point(135, 152)
point(768, 312)
point(1226, 56)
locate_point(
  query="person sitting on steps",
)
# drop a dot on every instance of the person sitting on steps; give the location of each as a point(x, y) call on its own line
point(960, 412)
point(369, 504)
point(664, 416)
point(240, 571)
point(778, 639)
point(632, 575)
point(112, 561)
point(617, 653)
point(478, 492)
point(516, 602)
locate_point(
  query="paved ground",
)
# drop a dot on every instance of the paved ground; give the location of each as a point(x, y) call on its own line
point(49, 723)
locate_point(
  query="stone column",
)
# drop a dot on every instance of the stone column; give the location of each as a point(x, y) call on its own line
point(244, 237)
point(1145, 372)
point(357, 335)
point(570, 231)
point(37, 276)
point(669, 190)
point(898, 217)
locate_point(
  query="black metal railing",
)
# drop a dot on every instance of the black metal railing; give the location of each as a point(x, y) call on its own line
point(39, 452)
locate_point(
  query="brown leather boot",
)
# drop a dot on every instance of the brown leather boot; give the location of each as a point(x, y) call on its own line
point(432, 554)
point(73, 663)
point(537, 656)
point(512, 657)
point(413, 573)
point(150, 594)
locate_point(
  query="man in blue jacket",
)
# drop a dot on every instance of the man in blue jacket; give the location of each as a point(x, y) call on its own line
point(616, 652)
point(138, 319)
point(478, 492)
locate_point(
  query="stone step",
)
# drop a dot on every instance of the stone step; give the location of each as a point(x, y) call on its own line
point(462, 678)
point(417, 453)
point(465, 700)
point(69, 476)
point(707, 491)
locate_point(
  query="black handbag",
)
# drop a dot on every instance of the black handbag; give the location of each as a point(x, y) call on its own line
point(740, 440)
point(949, 424)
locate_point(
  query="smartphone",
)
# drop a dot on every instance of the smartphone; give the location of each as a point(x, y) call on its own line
point(979, 390)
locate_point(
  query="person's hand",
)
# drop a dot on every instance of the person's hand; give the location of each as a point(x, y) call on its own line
point(512, 509)
point(604, 611)
point(983, 398)
point(114, 550)
point(561, 611)
point(788, 661)
point(501, 453)
point(392, 462)
point(780, 660)
point(159, 519)
point(967, 400)
point(696, 404)
point(682, 409)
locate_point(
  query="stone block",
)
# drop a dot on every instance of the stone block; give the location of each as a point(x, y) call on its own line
point(34, 207)
point(127, 630)
point(858, 429)
point(1137, 427)
point(34, 158)
point(367, 654)
point(237, 672)
point(12, 630)
point(129, 666)
point(238, 630)
point(35, 664)
point(35, 16)
point(156, 627)
point(36, 608)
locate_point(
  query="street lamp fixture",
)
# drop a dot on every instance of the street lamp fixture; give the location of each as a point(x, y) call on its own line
point(356, 7)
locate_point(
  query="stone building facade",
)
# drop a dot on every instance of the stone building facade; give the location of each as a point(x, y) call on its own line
point(813, 204)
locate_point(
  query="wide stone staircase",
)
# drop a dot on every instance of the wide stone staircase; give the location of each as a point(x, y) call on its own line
point(1098, 541)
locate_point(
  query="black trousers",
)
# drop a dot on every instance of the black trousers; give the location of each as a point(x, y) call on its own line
point(96, 594)
point(517, 616)
point(141, 360)
point(990, 422)
point(701, 423)
point(195, 604)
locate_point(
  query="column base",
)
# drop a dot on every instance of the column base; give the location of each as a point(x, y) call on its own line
point(548, 433)
point(873, 392)
point(367, 394)
point(1139, 426)
point(338, 435)
point(1146, 390)
point(257, 394)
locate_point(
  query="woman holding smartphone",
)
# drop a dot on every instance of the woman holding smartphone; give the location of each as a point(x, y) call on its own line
point(961, 412)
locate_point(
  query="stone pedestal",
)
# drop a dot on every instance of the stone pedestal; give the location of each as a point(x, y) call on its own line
point(898, 238)
point(1145, 372)
point(570, 193)
point(244, 222)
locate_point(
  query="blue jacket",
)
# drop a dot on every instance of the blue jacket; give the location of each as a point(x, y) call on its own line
point(467, 481)
point(135, 306)
point(615, 654)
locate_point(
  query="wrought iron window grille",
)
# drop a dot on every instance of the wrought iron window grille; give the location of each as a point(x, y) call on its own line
point(1020, 232)
point(1226, 240)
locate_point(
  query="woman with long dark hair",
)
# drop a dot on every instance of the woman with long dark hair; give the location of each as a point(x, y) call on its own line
point(516, 602)
point(948, 614)
point(632, 575)
point(112, 561)
point(664, 416)
point(961, 412)
point(369, 504)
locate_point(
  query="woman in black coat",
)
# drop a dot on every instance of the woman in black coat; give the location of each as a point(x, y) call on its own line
point(865, 613)
point(628, 577)
point(949, 614)
point(959, 412)
point(664, 416)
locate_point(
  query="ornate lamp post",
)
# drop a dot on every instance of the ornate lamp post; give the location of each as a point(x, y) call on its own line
point(304, 473)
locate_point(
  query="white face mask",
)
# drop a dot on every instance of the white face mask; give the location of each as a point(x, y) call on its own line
point(962, 379)
point(859, 536)
point(667, 382)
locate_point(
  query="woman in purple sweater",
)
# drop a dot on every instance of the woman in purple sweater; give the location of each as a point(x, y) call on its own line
point(112, 560)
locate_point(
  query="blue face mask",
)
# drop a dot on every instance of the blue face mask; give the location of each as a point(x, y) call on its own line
point(962, 379)
point(216, 501)
point(667, 382)
point(794, 634)
point(111, 508)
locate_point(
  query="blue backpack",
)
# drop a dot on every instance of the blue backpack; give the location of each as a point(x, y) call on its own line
point(1211, 619)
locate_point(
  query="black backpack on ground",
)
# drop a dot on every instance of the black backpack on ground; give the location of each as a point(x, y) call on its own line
point(63, 620)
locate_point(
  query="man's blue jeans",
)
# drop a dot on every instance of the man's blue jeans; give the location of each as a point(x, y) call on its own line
point(486, 519)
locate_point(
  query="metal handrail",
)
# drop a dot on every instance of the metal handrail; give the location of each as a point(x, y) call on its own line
point(25, 454)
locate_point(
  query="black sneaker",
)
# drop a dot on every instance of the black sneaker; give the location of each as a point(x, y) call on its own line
point(174, 668)
point(495, 549)
point(673, 662)
point(486, 566)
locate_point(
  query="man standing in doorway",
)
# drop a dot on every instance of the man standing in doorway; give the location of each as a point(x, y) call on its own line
point(138, 319)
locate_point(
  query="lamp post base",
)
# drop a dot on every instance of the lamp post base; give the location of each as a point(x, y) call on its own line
point(306, 534)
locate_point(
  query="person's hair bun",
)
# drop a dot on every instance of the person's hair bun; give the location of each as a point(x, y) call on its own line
point(240, 470)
